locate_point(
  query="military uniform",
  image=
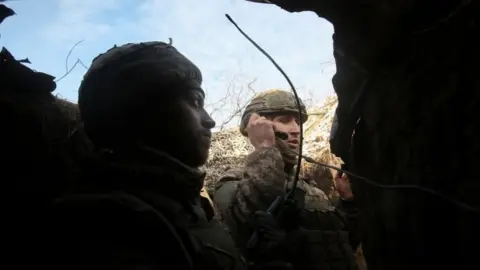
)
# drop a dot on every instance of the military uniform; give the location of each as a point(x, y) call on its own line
point(150, 215)
point(135, 207)
point(242, 191)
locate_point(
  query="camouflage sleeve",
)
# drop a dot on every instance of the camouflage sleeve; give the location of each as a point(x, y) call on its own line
point(240, 193)
point(262, 182)
point(351, 214)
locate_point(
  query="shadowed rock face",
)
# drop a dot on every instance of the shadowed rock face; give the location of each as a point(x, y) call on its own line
point(410, 68)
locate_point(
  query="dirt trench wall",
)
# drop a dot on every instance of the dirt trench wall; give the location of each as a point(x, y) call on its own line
point(408, 116)
point(419, 125)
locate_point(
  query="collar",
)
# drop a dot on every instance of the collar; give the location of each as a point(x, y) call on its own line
point(144, 169)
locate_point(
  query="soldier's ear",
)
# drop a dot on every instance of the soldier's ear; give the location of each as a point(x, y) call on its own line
point(253, 117)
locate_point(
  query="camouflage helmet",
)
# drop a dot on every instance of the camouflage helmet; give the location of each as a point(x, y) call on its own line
point(272, 102)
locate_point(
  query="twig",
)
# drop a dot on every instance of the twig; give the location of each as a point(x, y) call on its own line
point(68, 72)
point(69, 53)
point(234, 99)
point(239, 102)
point(323, 64)
point(74, 65)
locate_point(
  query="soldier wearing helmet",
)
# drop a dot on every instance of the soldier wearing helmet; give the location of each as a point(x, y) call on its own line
point(138, 203)
point(280, 107)
point(241, 194)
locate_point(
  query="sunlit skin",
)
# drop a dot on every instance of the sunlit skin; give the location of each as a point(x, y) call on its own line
point(261, 130)
point(288, 124)
point(342, 185)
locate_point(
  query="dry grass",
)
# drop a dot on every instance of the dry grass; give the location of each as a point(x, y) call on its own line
point(69, 109)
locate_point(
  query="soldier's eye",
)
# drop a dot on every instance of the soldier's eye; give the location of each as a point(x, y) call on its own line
point(297, 120)
point(196, 99)
point(285, 120)
point(197, 103)
point(194, 103)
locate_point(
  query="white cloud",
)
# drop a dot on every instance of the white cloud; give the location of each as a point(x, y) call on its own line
point(300, 43)
point(76, 19)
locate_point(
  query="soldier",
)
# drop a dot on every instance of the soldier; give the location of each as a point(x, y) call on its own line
point(322, 239)
point(138, 203)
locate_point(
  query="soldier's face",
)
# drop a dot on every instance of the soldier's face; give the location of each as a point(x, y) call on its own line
point(184, 129)
point(290, 125)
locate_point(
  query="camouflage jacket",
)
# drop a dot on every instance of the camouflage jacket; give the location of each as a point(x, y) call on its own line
point(242, 191)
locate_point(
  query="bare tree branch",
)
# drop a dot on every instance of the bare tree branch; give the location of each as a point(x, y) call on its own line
point(69, 53)
point(232, 104)
point(239, 92)
point(240, 103)
point(67, 70)
point(325, 65)
point(70, 70)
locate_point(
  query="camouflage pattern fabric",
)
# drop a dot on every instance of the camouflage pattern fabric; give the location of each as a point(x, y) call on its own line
point(242, 191)
point(274, 102)
point(271, 102)
point(263, 179)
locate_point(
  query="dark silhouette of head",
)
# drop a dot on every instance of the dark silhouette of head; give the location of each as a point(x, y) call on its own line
point(146, 94)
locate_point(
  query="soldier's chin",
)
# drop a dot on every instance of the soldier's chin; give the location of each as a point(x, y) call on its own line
point(294, 147)
point(203, 158)
point(196, 159)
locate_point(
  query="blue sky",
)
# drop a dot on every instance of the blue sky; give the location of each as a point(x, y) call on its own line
point(45, 31)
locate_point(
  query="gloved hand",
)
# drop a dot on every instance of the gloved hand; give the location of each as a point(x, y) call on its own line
point(275, 245)
point(269, 232)
point(289, 216)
